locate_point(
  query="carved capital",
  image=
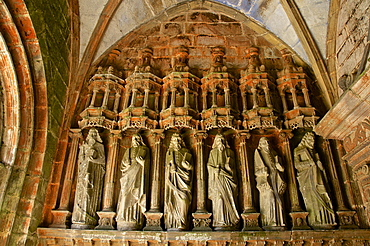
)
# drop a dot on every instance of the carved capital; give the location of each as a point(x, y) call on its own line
point(202, 221)
point(158, 136)
point(200, 136)
point(61, 219)
point(250, 221)
point(347, 219)
point(299, 220)
point(75, 133)
point(106, 221)
point(153, 221)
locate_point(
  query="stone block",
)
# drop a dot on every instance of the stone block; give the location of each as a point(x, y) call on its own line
point(203, 17)
point(210, 40)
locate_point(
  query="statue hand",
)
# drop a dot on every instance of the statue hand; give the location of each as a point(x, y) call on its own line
point(140, 160)
point(319, 164)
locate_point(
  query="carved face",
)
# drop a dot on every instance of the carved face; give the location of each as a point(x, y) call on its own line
point(219, 143)
point(264, 144)
point(136, 140)
point(309, 140)
point(175, 142)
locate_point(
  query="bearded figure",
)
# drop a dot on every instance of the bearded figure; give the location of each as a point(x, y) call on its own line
point(270, 184)
point(312, 179)
point(178, 182)
point(91, 170)
point(222, 185)
point(132, 198)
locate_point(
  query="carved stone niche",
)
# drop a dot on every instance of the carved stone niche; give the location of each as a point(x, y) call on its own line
point(105, 90)
point(142, 92)
point(180, 95)
point(219, 95)
point(293, 90)
point(258, 95)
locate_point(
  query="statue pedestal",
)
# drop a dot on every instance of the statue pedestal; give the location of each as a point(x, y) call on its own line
point(106, 220)
point(61, 219)
point(250, 222)
point(202, 221)
point(299, 220)
point(347, 219)
point(153, 221)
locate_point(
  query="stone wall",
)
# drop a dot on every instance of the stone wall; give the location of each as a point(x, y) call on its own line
point(52, 25)
point(352, 29)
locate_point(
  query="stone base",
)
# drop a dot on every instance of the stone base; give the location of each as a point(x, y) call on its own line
point(153, 221)
point(106, 220)
point(347, 220)
point(82, 226)
point(250, 222)
point(299, 220)
point(61, 219)
point(202, 221)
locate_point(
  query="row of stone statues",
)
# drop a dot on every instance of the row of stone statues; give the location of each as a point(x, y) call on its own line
point(222, 184)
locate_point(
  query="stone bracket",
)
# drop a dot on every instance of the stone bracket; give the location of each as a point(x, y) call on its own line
point(202, 221)
point(347, 219)
point(106, 220)
point(153, 221)
point(61, 219)
point(299, 220)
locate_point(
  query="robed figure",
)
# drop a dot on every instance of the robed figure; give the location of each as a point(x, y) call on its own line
point(222, 186)
point(312, 180)
point(91, 170)
point(134, 182)
point(178, 183)
point(270, 184)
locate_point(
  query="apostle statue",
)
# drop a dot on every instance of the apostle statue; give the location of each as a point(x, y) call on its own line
point(312, 179)
point(222, 187)
point(270, 184)
point(91, 170)
point(178, 182)
point(134, 182)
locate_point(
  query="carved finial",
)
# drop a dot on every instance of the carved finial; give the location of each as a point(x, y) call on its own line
point(181, 59)
point(288, 63)
point(254, 62)
point(145, 57)
point(218, 54)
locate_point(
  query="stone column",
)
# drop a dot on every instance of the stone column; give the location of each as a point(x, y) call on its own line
point(88, 100)
point(254, 94)
point(299, 217)
point(133, 98)
point(127, 97)
point(267, 97)
point(173, 97)
point(105, 98)
point(244, 98)
point(294, 96)
point(156, 102)
point(154, 215)
point(283, 100)
point(116, 102)
point(92, 102)
point(346, 216)
point(306, 97)
point(227, 97)
point(214, 99)
point(61, 216)
point(201, 217)
point(196, 101)
point(204, 100)
point(186, 97)
point(165, 100)
point(249, 215)
point(146, 98)
point(106, 216)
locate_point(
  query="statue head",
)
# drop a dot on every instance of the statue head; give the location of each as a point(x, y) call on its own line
point(176, 142)
point(308, 140)
point(264, 144)
point(220, 143)
point(93, 136)
point(137, 140)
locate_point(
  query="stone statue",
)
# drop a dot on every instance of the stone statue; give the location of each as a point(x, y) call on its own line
point(222, 187)
point(311, 178)
point(178, 180)
point(271, 186)
point(91, 170)
point(134, 182)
